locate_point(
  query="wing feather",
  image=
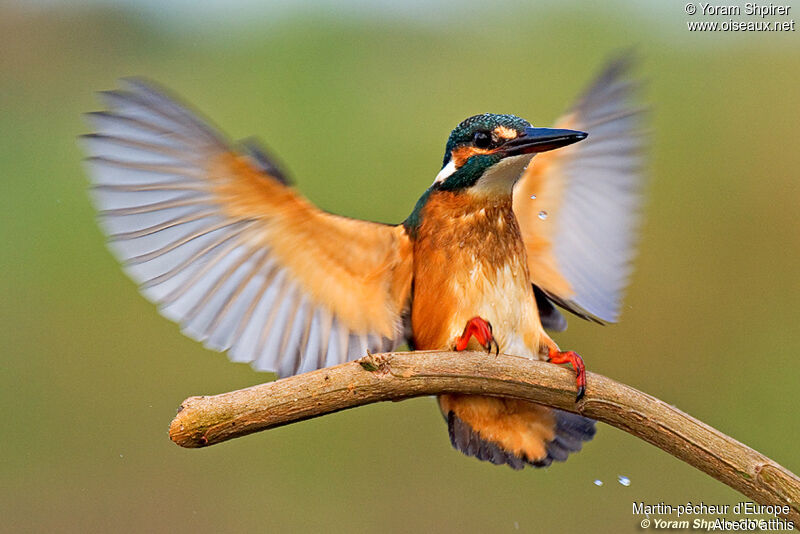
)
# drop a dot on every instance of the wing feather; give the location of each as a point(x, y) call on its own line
point(227, 249)
point(578, 207)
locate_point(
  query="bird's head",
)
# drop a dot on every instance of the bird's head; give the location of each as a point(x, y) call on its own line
point(487, 153)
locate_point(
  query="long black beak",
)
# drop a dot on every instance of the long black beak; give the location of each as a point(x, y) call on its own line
point(535, 140)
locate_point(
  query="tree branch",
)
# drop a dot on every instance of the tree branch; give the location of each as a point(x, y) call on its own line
point(203, 421)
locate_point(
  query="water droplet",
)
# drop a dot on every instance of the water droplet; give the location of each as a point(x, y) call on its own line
point(598, 482)
point(625, 481)
point(543, 215)
point(533, 197)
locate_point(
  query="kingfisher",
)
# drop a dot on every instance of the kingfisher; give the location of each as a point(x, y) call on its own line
point(520, 223)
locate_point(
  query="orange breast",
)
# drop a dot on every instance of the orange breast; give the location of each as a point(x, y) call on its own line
point(469, 260)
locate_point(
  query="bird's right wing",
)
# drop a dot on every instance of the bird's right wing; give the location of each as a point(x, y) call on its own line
point(229, 251)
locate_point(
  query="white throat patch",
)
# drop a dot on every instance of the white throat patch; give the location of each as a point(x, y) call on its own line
point(501, 177)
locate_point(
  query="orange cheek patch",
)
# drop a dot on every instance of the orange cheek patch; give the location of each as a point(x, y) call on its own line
point(462, 154)
point(505, 133)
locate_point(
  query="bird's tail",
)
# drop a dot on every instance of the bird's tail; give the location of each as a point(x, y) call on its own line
point(512, 431)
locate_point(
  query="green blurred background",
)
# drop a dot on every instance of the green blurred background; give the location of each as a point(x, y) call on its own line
point(357, 99)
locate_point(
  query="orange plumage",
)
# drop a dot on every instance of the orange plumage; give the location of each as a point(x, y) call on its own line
point(470, 259)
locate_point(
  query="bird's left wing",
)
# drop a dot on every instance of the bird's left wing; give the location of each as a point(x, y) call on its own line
point(244, 263)
point(578, 206)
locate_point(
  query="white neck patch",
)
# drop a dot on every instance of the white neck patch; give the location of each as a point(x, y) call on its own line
point(446, 171)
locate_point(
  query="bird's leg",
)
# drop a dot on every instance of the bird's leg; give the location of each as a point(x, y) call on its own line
point(481, 330)
point(557, 356)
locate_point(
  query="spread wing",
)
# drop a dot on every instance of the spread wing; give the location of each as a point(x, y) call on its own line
point(578, 207)
point(218, 240)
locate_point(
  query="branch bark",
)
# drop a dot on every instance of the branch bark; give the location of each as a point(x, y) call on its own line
point(203, 421)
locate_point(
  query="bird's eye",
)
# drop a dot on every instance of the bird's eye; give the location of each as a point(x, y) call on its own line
point(482, 140)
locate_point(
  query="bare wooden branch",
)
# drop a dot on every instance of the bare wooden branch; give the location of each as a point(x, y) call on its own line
point(203, 421)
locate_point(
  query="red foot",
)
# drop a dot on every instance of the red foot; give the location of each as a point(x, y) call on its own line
point(557, 356)
point(481, 329)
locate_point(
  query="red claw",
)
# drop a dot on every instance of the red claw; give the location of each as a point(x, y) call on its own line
point(557, 356)
point(481, 330)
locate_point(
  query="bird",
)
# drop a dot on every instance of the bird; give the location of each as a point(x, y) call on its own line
point(520, 223)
